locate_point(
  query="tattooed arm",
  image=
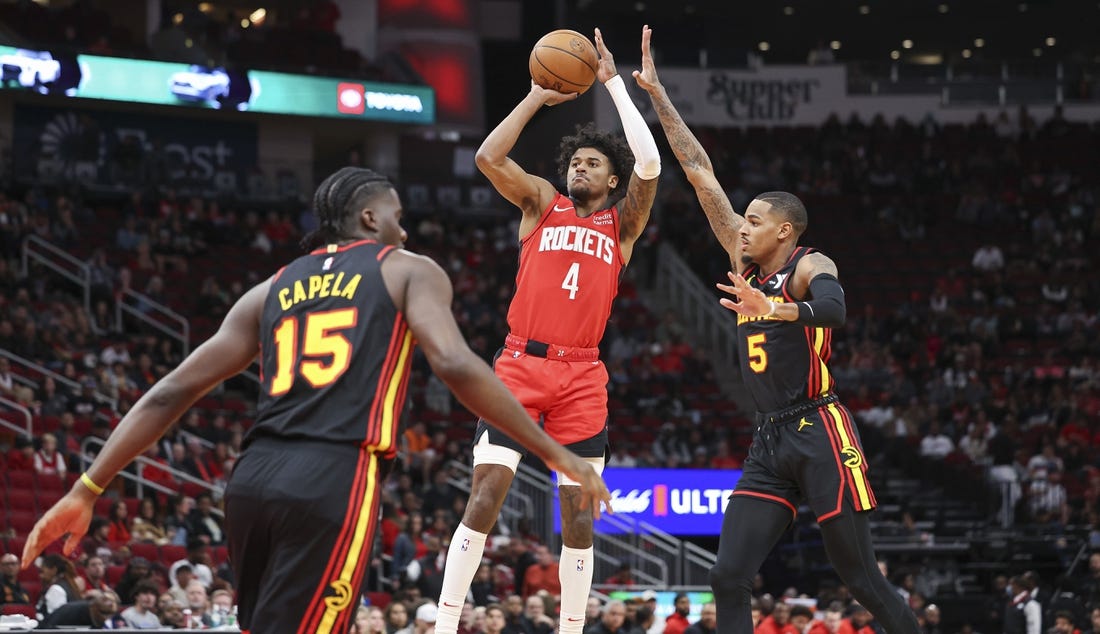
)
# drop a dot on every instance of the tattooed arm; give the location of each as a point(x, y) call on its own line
point(724, 221)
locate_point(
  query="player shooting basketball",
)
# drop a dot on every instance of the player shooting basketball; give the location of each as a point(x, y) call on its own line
point(572, 251)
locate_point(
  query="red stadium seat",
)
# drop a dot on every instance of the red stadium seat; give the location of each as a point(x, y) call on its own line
point(114, 574)
point(22, 522)
point(21, 499)
point(25, 609)
point(171, 553)
point(51, 482)
point(380, 599)
point(21, 480)
point(148, 551)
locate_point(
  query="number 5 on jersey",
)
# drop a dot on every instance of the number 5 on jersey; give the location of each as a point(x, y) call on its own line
point(319, 344)
point(758, 356)
point(571, 278)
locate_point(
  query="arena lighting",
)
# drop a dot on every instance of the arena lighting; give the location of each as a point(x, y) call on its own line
point(978, 43)
point(1050, 41)
point(245, 23)
point(258, 15)
point(966, 53)
point(927, 59)
point(895, 54)
point(177, 18)
point(788, 10)
point(1022, 7)
point(835, 45)
point(864, 9)
point(907, 44)
point(1037, 52)
point(943, 8)
point(763, 46)
point(206, 7)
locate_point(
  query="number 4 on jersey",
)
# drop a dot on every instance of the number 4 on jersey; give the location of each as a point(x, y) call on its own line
point(571, 278)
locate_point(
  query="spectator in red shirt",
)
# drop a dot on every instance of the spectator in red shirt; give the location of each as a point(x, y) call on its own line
point(722, 458)
point(677, 622)
point(833, 622)
point(624, 576)
point(120, 523)
point(543, 575)
point(778, 622)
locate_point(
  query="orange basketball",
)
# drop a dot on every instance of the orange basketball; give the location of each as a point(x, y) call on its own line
point(564, 61)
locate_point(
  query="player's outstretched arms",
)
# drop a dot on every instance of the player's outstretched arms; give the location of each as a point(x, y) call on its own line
point(528, 192)
point(427, 306)
point(227, 353)
point(724, 221)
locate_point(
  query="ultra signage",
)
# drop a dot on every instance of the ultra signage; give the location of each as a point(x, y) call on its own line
point(676, 501)
point(176, 84)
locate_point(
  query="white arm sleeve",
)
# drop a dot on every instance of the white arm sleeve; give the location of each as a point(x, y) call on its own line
point(647, 161)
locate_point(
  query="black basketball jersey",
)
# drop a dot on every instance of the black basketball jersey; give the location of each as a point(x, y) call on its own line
point(782, 362)
point(335, 351)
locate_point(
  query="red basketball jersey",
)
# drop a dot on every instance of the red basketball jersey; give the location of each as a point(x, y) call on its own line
point(568, 276)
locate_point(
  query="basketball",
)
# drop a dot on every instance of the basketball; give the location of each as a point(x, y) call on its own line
point(564, 61)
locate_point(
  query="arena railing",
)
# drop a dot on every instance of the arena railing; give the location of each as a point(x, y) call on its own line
point(22, 411)
point(59, 261)
point(59, 379)
point(679, 289)
point(138, 478)
point(143, 308)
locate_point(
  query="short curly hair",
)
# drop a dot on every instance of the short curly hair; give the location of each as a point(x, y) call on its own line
point(612, 145)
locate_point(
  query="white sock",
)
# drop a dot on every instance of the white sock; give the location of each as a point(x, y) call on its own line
point(575, 574)
point(463, 560)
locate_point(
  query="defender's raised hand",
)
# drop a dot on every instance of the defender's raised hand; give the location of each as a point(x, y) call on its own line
point(751, 301)
point(647, 77)
point(606, 68)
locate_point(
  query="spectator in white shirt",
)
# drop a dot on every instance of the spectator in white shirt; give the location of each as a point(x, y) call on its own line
point(988, 258)
point(936, 444)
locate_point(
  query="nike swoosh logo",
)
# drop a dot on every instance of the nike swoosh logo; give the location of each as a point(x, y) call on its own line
point(573, 620)
point(560, 209)
point(450, 605)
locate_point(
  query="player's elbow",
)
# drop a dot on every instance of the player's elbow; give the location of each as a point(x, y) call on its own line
point(648, 169)
point(835, 314)
point(451, 366)
point(486, 159)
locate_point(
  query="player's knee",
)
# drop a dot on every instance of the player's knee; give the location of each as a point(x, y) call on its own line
point(730, 582)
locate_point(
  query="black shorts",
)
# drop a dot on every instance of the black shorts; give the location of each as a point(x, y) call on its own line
point(814, 456)
point(300, 521)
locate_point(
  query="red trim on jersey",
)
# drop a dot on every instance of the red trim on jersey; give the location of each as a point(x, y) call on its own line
point(770, 498)
point(793, 253)
point(275, 277)
point(341, 249)
point(834, 443)
point(388, 363)
point(385, 250)
point(813, 378)
point(316, 610)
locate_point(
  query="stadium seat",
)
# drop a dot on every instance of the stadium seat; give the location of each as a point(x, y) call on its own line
point(148, 551)
point(171, 553)
point(51, 482)
point(22, 522)
point(114, 574)
point(379, 599)
point(21, 499)
point(25, 609)
point(21, 480)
